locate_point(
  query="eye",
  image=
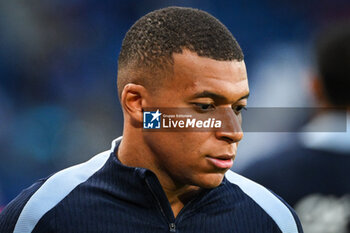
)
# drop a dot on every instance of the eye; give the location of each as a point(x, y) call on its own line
point(204, 107)
point(238, 109)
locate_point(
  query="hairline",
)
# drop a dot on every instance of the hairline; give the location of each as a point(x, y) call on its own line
point(167, 68)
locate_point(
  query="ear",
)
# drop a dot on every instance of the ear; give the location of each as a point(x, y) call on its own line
point(132, 101)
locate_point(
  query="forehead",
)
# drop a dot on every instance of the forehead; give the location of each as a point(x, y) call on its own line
point(193, 74)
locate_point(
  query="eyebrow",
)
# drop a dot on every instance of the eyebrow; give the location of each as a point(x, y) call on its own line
point(208, 94)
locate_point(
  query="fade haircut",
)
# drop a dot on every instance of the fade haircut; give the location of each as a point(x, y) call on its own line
point(146, 55)
point(333, 62)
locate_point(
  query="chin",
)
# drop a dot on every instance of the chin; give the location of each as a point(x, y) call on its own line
point(210, 181)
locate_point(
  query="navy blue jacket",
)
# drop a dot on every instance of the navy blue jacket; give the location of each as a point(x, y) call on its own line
point(103, 195)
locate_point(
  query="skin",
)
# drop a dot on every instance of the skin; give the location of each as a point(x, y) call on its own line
point(318, 90)
point(182, 160)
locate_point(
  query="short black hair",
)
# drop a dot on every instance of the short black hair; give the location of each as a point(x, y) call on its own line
point(151, 41)
point(333, 62)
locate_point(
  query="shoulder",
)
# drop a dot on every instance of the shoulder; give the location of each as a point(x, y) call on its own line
point(279, 211)
point(10, 214)
point(25, 212)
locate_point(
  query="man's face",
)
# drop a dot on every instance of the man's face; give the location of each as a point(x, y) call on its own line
point(200, 84)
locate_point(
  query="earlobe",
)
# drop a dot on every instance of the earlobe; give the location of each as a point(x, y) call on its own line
point(132, 102)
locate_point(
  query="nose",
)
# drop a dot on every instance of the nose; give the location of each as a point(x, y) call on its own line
point(231, 131)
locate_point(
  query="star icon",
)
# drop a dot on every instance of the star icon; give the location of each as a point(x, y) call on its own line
point(156, 115)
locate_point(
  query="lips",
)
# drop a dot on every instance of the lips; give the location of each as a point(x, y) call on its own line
point(221, 161)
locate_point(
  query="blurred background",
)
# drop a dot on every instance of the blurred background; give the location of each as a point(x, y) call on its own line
point(58, 66)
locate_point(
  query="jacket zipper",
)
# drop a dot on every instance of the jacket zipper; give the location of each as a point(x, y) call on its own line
point(172, 226)
point(179, 216)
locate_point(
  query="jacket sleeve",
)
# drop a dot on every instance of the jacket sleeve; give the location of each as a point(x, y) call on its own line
point(296, 218)
point(11, 213)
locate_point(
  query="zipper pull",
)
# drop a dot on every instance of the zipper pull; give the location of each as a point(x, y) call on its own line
point(172, 227)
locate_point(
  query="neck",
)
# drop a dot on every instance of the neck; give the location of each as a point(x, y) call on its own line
point(180, 197)
point(141, 156)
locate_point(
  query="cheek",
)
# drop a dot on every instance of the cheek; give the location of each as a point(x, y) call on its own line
point(183, 150)
point(180, 149)
point(191, 143)
point(166, 144)
point(188, 152)
point(240, 118)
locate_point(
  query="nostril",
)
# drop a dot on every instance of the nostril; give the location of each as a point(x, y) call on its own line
point(227, 139)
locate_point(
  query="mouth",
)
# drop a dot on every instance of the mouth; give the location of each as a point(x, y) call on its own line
point(221, 161)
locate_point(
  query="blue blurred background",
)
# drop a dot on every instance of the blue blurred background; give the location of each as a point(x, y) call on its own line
point(58, 66)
